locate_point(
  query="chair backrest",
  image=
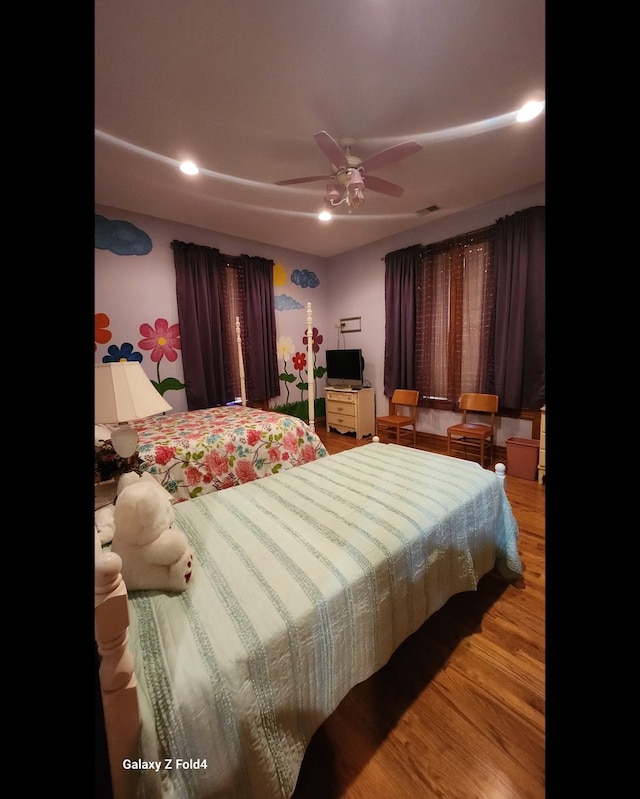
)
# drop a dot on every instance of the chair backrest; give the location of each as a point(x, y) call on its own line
point(404, 397)
point(482, 403)
point(479, 403)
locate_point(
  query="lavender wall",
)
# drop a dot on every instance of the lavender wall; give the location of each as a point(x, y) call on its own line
point(135, 289)
point(356, 288)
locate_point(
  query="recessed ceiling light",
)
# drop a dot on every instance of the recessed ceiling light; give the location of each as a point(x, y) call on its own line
point(529, 110)
point(189, 168)
point(324, 216)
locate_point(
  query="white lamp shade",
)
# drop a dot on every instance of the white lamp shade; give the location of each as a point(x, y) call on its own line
point(123, 392)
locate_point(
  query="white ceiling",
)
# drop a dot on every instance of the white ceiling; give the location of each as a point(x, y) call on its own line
point(241, 86)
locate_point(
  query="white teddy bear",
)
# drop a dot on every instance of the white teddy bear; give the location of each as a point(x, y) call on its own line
point(155, 555)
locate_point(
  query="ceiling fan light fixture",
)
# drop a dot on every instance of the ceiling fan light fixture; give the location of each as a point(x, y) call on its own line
point(355, 190)
point(355, 179)
point(356, 196)
point(347, 183)
point(332, 194)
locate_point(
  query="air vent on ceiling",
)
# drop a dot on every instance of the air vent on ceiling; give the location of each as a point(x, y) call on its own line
point(428, 210)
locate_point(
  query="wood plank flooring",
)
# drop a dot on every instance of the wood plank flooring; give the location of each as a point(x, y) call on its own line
point(459, 710)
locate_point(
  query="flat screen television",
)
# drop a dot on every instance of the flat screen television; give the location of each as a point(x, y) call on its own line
point(345, 368)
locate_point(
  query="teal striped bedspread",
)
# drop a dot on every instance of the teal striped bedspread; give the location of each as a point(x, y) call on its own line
point(303, 586)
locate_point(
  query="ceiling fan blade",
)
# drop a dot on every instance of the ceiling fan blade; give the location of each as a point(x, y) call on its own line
point(331, 148)
point(390, 155)
point(382, 186)
point(302, 180)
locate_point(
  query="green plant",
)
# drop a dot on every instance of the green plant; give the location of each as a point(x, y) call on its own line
point(301, 409)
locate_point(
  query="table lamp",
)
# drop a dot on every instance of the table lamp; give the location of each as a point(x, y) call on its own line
point(123, 392)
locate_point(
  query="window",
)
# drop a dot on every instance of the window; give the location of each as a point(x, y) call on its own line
point(468, 314)
point(211, 290)
point(232, 302)
point(455, 298)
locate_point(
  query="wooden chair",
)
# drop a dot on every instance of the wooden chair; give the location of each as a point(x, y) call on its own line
point(476, 436)
point(402, 425)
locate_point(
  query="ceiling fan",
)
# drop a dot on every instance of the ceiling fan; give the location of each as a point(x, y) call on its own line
point(350, 175)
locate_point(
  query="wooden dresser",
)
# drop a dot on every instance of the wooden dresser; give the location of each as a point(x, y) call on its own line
point(543, 446)
point(350, 411)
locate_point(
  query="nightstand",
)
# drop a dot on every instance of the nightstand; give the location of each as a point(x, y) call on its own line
point(351, 411)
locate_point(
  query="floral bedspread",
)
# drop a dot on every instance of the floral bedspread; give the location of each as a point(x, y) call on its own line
point(196, 452)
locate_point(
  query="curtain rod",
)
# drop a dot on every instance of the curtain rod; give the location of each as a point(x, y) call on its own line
point(450, 239)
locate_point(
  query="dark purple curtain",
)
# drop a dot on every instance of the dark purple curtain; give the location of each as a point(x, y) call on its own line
point(205, 345)
point(400, 282)
point(260, 350)
point(519, 343)
point(211, 290)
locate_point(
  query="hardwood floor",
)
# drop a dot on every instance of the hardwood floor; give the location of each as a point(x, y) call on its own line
point(459, 710)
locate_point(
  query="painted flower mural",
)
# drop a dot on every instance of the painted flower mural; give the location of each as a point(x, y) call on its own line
point(163, 340)
point(317, 340)
point(123, 353)
point(101, 335)
point(286, 351)
point(299, 361)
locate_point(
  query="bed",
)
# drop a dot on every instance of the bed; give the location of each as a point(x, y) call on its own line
point(196, 452)
point(303, 586)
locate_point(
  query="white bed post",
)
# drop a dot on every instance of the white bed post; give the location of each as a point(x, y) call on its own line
point(118, 684)
point(501, 470)
point(243, 392)
point(310, 382)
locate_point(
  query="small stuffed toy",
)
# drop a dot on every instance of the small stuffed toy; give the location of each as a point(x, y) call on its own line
point(155, 555)
point(104, 523)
